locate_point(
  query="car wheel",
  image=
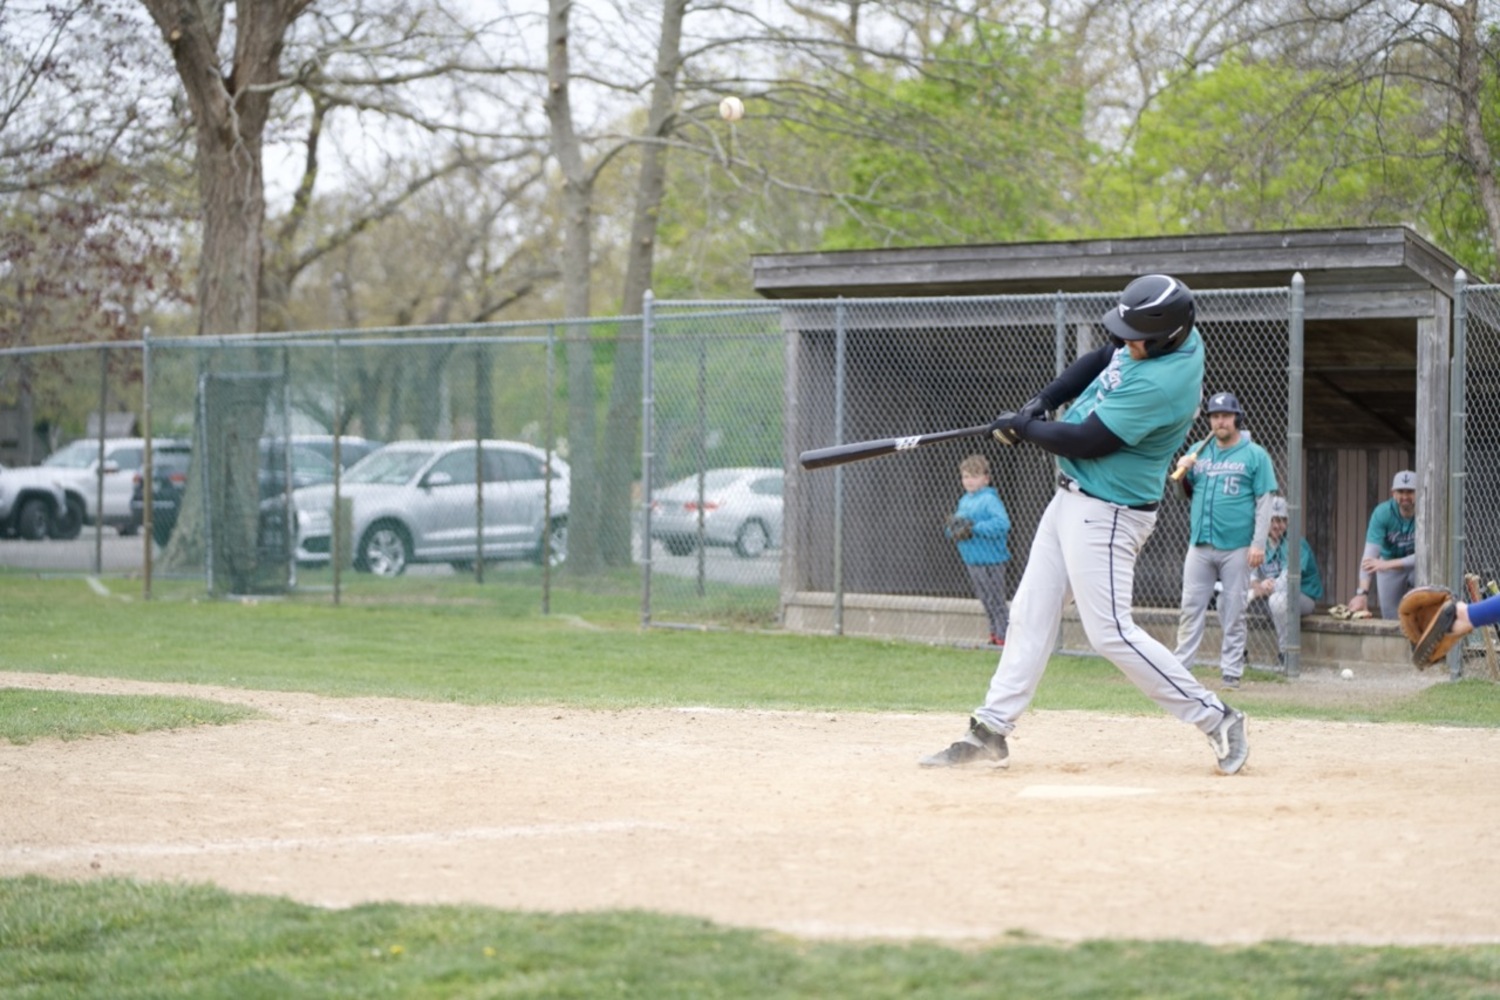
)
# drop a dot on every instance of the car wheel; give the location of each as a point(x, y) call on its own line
point(678, 546)
point(33, 520)
point(752, 541)
point(557, 544)
point(384, 550)
point(69, 524)
point(126, 530)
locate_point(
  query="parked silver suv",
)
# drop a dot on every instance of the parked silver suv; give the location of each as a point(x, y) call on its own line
point(419, 502)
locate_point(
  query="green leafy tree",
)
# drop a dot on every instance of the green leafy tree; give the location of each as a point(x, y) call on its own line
point(1257, 145)
point(986, 145)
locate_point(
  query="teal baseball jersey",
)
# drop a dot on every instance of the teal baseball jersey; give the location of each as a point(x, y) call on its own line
point(1150, 405)
point(1396, 535)
point(1226, 484)
point(1312, 580)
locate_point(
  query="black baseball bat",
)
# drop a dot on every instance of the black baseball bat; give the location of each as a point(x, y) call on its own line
point(857, 451)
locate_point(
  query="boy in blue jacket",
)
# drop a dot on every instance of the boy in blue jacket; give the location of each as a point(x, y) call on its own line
point(981, 527)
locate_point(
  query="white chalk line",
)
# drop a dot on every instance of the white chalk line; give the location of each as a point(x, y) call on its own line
point(428, 838)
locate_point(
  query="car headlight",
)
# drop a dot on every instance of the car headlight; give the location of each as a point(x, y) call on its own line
point(314, 522)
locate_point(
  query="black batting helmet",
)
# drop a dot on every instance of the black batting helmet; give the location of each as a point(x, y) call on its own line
point(1226, 402)
point(1155, 308)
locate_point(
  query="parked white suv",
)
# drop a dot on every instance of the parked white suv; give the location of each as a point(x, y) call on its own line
point(76, 467)
point(32, 504)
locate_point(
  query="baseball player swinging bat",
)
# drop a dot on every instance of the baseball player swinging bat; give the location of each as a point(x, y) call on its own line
point(857, 451)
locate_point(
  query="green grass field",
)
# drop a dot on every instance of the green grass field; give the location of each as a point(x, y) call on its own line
point(457, 641)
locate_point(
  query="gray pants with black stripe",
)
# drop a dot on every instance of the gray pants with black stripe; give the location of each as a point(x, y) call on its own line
point(1203, 567)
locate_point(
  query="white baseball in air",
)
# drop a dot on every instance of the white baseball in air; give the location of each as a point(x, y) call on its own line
point(731, 109)
point(1347, 674)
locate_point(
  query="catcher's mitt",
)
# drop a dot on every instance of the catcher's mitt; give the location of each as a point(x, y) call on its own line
point(960, 528)
point(1427, 616)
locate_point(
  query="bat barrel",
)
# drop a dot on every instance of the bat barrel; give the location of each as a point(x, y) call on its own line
point(818, 458)
point(839, 454)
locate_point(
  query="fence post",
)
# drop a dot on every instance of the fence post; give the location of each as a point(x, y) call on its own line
point(1458, 423)
point(148, 525)
point(648, 431)
point(479, 473)
point(839, 357)
point(1293, 537)
point(99, 464)
point(1059, 334)
point(340, 542)
point(551, 449)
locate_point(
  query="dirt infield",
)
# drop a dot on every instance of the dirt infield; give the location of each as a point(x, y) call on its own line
point(812, 824)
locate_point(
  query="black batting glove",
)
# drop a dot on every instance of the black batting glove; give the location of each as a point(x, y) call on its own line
point(959, 528)
point(1004, 428)
point(1035, 408)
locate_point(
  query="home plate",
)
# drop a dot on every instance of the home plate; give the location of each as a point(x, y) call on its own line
point(1080, 791)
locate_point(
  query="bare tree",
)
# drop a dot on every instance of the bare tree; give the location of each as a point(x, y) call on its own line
point(804, 75)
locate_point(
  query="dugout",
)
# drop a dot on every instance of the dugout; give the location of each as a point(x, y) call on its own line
point(1377, 325)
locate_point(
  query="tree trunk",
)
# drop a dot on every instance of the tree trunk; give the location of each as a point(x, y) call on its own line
point(577, 197)
point(1476, 146)
point(622, 428)
point(230, 112)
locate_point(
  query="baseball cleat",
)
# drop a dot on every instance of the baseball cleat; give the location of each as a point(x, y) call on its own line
point(1226, 681)
point(980, 743)
point(1229, 742)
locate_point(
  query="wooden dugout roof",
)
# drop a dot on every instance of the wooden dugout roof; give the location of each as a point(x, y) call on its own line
point(1375, 272)
point(1366, 291)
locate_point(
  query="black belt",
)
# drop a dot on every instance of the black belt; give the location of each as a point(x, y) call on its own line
point(1067, 482)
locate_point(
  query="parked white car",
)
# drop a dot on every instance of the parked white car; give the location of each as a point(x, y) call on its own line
point(416, 502)
point(77, 467)
point(33, 505)
point(740, 508)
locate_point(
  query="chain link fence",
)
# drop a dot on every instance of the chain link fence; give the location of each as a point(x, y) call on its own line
point(252, 484)
point(708, 518)
point(1476, 475)
point(864, 545)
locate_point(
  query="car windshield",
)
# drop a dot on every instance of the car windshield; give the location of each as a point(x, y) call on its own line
point(78, 455)
point(388, 467)
point(306, 461)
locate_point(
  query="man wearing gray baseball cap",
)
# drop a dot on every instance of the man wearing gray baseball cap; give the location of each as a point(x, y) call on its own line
point(1269, 579)
point(1390, 549)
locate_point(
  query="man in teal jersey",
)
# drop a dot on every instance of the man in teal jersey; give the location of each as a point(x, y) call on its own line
point(1133, 402)
point(1230, 481)
point(1390, 554)
point(1269, 579)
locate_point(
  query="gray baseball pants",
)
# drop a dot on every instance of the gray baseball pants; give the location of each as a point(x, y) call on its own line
point(1276, 603)
point(1391, 585)
point(1201, 569)
point(1085, 551)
